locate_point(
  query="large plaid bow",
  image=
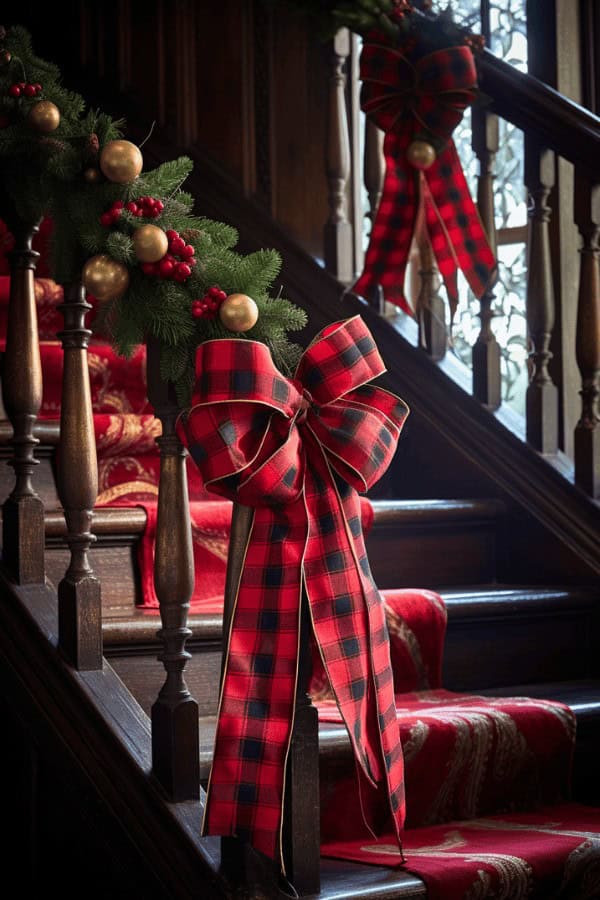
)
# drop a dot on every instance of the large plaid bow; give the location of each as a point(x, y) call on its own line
point(405, 99)
point(298, 451)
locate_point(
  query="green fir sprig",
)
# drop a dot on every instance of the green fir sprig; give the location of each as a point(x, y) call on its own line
point(47, 174)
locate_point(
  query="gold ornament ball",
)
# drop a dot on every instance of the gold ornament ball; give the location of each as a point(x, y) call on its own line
point(44, 116)
point(121, 161)
point(104, 277)
point(92, 175)
point(238, 312)
point(421, 154)
point(150, 243)
point(5, 57)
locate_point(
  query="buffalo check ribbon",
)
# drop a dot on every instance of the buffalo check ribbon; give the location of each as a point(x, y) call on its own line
point(407, 100)
point(297, 451)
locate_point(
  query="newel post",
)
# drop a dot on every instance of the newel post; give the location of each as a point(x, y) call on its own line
point(175, 727)
point(23, 511)
point(79, 592)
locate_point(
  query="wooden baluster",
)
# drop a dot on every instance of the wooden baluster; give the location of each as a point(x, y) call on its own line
point(487, 383)
point(587, 432)
point(374, 176)
point(79, 593)
point(175, 729)
point(23, 511)
point(301, 834)
point(430, 306)
point(374, 167)
point(338, 249)
point(542, 394)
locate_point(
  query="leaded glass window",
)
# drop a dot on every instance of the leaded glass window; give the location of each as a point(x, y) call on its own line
point(505, 22)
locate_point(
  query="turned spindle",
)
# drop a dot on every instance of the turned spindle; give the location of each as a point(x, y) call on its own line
point(587, 432)
point(542, 394)
point(175, 734)
point(338, 239)
point(487, 383)
point(430, 306)
point(23, 511)
point(301, 832)
point(79, 592)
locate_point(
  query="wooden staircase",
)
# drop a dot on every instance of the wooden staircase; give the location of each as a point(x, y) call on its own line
point(516, 561)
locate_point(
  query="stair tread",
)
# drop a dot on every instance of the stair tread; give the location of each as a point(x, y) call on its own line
point(139, 624)
point(583, 696)
point(341, 880)
point(422, 512)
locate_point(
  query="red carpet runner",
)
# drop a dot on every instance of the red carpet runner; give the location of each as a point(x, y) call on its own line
point(544, 855)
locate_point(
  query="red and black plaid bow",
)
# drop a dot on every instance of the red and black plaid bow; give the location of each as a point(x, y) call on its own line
point(406, 99)
point(298, 451)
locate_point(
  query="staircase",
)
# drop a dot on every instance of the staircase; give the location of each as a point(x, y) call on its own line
point(489, 522)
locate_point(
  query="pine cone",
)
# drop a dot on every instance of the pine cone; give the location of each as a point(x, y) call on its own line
point(53, 144)
point(190, 234)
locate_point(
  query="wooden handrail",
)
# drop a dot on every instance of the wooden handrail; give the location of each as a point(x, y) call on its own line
point(559, 123)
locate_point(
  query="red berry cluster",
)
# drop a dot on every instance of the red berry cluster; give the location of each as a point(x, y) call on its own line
point(111, 215)
point(23, 89)
point(145, 207)
point(208, 306)
point(177, 263)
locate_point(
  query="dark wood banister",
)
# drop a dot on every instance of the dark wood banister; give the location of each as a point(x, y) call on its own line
point(561, 124)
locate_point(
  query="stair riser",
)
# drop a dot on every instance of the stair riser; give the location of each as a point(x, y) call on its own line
point(144, 675)
point(459, 553)
point(115, 566)
point(493, 652)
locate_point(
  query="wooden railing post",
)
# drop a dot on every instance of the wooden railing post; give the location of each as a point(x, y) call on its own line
point(79, 593)
point(373, 167)
point(338, 240)
point(23, 511)
point(433, 337)
point(487, 383)
point(175, 727)
point(301, 832)
point(587, 432)
point(542, 394)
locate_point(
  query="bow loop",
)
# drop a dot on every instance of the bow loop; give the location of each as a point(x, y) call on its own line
point(340, 359)
point(433, 93)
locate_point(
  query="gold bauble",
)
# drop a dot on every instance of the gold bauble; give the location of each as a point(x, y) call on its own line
point(238, 312)
point(92, 175)
point(150, 243)
point(44, 116)
point(104, 277)
point(5, 57)
point(421, 154)
point(121, 161)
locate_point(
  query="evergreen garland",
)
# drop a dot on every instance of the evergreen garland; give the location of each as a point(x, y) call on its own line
point(46, 174)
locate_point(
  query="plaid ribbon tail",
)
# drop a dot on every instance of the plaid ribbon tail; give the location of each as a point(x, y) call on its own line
point(393, 229)
point(455, 229)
